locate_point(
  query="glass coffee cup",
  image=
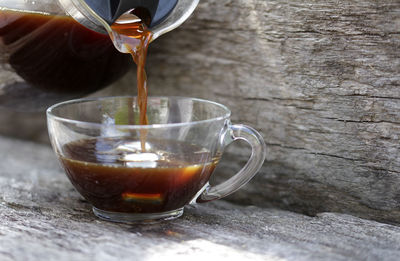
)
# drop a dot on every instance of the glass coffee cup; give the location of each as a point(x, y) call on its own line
point(135, 173)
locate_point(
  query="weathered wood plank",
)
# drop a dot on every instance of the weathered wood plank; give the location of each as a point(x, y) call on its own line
point(319, 79)
point(44, 218)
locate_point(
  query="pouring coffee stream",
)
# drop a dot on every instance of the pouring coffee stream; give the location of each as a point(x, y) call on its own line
point(41, 66)
point(136, 39)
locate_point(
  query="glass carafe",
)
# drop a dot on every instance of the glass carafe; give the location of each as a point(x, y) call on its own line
point(46, 56)
point(54, 50)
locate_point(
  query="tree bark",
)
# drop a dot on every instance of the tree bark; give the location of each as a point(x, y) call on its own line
point(320, 80)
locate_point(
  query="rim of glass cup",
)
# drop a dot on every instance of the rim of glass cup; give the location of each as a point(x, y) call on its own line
point(49, 113)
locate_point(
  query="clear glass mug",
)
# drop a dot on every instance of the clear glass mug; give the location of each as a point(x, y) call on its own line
point(131, 172)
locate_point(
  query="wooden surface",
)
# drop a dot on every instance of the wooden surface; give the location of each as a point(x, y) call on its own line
point(319, 79)
point(44, 218)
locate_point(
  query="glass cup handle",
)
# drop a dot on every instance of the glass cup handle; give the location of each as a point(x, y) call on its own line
point(253, 165)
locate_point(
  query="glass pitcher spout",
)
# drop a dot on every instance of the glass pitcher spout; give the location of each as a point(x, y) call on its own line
point(166, 15)
point(180, 13)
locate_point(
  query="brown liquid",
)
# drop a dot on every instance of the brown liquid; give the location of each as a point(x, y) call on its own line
point(115, 180)
point(139, 40)
point(57, 54)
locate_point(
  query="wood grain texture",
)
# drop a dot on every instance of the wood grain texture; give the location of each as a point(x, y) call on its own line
point(319, 79)
point(44, 218)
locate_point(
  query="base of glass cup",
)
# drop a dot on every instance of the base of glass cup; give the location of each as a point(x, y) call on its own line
point(134, 218)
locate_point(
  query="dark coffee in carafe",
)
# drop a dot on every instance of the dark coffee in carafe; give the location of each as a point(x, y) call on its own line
point(56, 54)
